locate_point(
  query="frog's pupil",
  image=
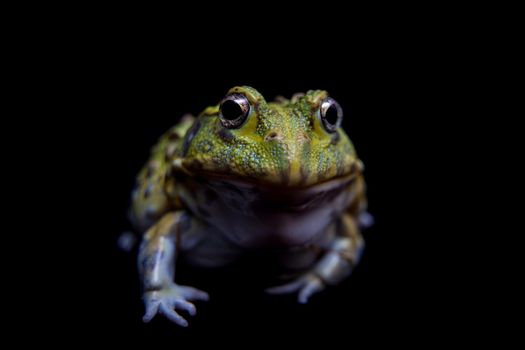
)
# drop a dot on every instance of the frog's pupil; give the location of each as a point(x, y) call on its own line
point(231, 110)
point(331, 115)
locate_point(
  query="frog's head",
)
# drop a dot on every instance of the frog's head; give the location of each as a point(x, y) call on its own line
point(293, 143)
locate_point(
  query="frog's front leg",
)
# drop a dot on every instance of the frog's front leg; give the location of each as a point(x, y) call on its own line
point(342, 254)
point(157, 256)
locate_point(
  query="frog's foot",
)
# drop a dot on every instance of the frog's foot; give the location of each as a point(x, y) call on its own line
point(166, 300)
point(306, 285)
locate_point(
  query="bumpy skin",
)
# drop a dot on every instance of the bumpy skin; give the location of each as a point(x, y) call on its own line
point(280, 180)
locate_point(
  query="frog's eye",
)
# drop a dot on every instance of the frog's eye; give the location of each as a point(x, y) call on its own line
point(234, 110)
point(331, 114)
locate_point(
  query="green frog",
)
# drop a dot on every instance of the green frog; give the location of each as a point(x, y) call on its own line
point(250, 175)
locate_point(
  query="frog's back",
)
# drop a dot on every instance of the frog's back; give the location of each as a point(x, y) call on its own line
point(154, 193)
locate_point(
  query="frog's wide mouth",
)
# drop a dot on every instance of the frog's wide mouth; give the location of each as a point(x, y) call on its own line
point(271, 197)
point(285, 181)
point(245, 182)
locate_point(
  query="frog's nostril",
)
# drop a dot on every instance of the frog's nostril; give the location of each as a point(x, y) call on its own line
point(273, 136)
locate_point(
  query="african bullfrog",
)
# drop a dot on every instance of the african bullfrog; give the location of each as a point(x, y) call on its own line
point(249, 175)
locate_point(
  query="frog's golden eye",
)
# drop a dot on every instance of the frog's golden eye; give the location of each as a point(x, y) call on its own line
point(331, 114)
point(234, 110)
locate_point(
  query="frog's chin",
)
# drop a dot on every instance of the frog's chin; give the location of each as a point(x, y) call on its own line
point(248, 197)
point(263, 197)
point(252, 199)
point(255, 215)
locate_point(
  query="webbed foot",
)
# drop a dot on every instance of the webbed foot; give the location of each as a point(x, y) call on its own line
point(166, 300)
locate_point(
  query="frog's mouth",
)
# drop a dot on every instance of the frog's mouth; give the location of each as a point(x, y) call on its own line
point(289, 179)
point(244, 194)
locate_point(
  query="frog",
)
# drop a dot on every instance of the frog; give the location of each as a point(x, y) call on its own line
point(247, 175)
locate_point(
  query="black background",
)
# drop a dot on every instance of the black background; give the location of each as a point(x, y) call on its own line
point(121, 96)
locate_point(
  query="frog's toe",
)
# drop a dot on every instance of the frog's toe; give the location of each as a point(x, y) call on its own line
point(310, 288)
point(286, 288)
point(191, 293)
point(152, 307)
point(172, 315)
point(186, 306)
point(365, 220)
point(306, 286)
